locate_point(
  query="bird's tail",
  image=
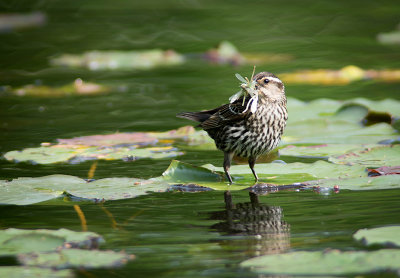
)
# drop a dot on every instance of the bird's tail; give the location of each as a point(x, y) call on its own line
point(194, 116)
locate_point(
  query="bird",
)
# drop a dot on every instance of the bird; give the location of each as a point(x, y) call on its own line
point(243, 132)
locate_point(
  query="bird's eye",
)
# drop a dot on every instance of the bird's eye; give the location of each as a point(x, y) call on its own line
point(266, 81)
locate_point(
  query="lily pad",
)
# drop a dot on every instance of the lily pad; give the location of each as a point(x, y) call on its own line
point(12, 22)
point(78, 87)
point(332, 262)
point(343, 76)
point(34, 272)
point(278, 173)
point(57, 249)
point(388, 236)
point(371, 157)
point(114, 60)
point(75, 258)
point(24, 191)
point(126, 146)
point(360, 183)
point(322, 151)
point(16, 241)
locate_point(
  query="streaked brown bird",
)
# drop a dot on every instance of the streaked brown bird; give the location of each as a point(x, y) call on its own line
point(238, 131)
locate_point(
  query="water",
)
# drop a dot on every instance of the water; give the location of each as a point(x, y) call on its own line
point(173, 234)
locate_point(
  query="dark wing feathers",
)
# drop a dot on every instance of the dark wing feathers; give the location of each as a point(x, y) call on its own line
point(219, 116)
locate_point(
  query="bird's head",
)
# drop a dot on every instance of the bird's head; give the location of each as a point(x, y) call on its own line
point(269, 86)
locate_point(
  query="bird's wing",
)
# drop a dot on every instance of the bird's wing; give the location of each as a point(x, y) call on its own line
point(225, 114)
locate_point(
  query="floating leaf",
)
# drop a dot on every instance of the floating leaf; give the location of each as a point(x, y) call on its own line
point(332, 262)
point(389, 38)
point(279, 174)
point(384, 170)
point(388, 236)
point(78, 87)
point(35, 272)
point(75, 258)
point(114, 60)
point(12, 22)
point(322, 151)
point(43, 155)
point(360, 183)
point(23, 191)
point(16, 241)
point(57, 249)
point(343, 76)
point(126, 146)
point(371, 157)
point(225, 53)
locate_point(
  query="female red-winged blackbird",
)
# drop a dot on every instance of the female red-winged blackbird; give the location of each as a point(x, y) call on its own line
point(238, 130)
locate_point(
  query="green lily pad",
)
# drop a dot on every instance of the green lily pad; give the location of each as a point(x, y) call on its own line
point(336, 131)
point(24, 191)
point(388, 236)
point(360, 183)
point(57, 249)
point(278, 173)
point(323, 151)
point(126, 146)
point(331, 262)
point(43, 155)
point(325, 121)
point(75, 258)
point(16, 241)
point(371, 157)
point(57, 154)
point(34, 272)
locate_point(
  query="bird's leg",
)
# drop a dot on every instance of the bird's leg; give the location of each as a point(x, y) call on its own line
point(227, 164)
point(252, 161)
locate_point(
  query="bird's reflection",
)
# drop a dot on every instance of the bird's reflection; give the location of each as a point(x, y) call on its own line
point(265, 230)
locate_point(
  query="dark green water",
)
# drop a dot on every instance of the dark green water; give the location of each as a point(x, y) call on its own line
point(172, 236)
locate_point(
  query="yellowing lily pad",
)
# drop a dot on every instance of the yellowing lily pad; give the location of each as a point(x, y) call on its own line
point(343, 76)
point(331, 262)
point(388, 236)
point(78, 87)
